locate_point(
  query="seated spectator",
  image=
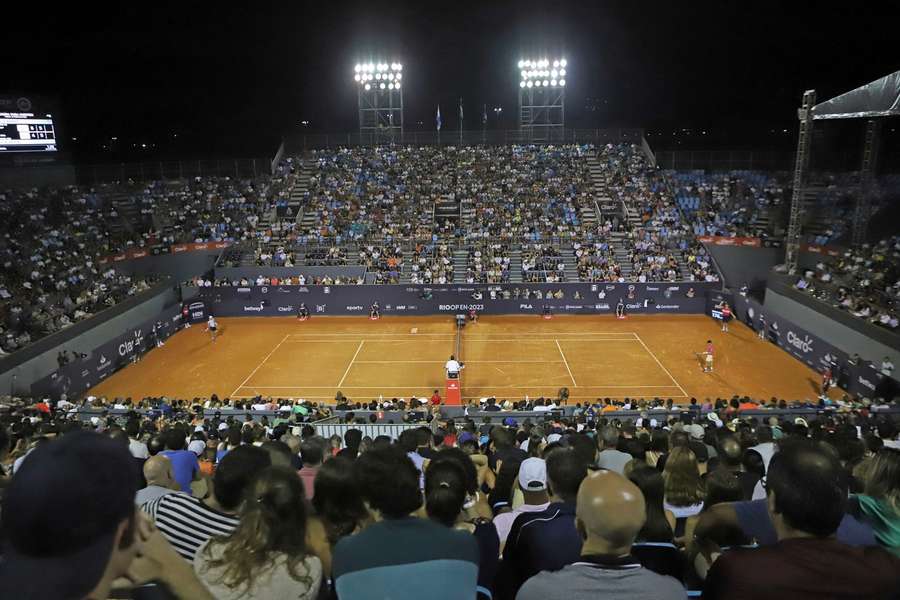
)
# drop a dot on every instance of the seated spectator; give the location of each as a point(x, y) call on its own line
point(610, 457)
point(312, 453)
point(160, 480)
point(546, 540)
point(184, 462)
point(266, 556)
point(448, 480)
point(684, 487)
point(659, 525)
point(806, 499)
point(188, 522)
point(532, 480)
point(610, 513)
point(879, 504)
point(45, 557)
point(730, 458)
point(398, 550)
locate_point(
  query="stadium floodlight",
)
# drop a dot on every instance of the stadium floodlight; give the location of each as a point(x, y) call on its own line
point(357, 68)
point(562, 83)
point(521, 84)
point(542, 83)
point(544, 73)
point(529, 83)
point(562, 63)
point(382, 86)
point(368, 87)
point(379, 97)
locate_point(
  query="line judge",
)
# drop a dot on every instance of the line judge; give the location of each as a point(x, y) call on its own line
point(453, 368)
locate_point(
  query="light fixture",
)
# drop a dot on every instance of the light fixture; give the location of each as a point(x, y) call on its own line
point(562, 72)
point(562, 63)
point(546, 83)
point(382, 86)
point(356, 77)
point(555, 63)
point(537, 83)
point(554, 73)
point(562, 83)
point(357, 68)
point(521, 84)
point(553, 82)
point(530, 83)
point(399, 76)
point(368, 87)
point(397, 86)
point(390, 86)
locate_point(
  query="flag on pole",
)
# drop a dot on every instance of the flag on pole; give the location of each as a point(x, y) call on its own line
point(484, 115)
point(438, 119)
point(460, 112)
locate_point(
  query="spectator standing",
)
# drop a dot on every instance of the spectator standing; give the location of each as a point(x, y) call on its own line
point(400, 556)
point(610, 513)
point(807, 499)
point(266, 556)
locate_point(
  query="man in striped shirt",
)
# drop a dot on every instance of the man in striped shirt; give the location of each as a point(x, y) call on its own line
point(188, 522)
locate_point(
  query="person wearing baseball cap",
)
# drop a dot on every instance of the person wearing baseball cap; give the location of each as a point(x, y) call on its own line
point(533, 483)
point(48, 556)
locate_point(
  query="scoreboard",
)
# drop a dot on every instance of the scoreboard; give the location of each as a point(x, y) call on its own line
point(23, 128)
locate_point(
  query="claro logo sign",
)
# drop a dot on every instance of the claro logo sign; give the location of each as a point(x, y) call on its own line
point(804, 344)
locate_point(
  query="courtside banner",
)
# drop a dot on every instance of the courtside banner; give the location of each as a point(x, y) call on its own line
point(862, 378)
point(80, 375)
point(561, 298)
point(134, 253)
point(749, 242)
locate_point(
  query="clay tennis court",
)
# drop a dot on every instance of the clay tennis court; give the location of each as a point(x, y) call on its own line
point(510, 357)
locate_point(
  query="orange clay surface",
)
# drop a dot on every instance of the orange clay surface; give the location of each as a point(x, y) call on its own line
point(508, 357)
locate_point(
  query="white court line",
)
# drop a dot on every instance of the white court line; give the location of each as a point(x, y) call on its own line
point(407, 387)
point(253, 372)
point(661, 365)
point(551, 335)
point(361, 342)
point(468, 362)
point(566, 363)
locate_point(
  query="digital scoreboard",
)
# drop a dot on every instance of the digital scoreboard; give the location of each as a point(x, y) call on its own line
point(23, 128)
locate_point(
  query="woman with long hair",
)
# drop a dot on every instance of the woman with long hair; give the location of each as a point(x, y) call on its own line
point(879, 504)
point(659, 445)
point(660, 524)
point(684, 490)
point(338, 507)
point(449, 485)
point(266, 556)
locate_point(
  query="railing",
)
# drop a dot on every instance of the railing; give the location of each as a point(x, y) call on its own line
point(299, 142)
point(181, 169)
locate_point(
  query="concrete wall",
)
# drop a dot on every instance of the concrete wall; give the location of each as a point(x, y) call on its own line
point(851, 341)
point(18, 372)
point(180, 267)
point(742, 265)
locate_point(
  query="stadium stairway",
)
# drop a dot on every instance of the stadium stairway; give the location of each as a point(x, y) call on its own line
point(460, 261)
point(306, 219)
point(568, 257)
point(515, 265)
point(619, 242)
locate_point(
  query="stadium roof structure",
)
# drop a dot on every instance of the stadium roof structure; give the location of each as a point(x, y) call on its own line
point(879, 98)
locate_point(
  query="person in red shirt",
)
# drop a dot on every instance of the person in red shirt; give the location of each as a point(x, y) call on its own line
point(826, 380)
point(435, 399)
point(726, 317)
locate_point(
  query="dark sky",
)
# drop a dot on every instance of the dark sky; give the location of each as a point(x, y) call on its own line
point(230, 77)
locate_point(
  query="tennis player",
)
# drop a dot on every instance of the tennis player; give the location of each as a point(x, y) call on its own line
point(620, 309)
point(762, 327)
point(708, 357)
point(375, 311)
point(212, 327)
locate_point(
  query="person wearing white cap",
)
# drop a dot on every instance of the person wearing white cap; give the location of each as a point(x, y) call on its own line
point(532, 481)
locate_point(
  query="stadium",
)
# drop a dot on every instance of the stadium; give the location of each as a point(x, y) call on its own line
point(539, 322)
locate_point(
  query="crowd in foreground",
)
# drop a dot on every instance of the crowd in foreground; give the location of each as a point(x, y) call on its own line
point(589, 506)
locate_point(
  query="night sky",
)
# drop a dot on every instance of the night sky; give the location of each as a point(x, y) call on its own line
point(228, 80)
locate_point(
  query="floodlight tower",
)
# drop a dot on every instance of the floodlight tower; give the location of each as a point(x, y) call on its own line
point(380, 97)
point(542, 97)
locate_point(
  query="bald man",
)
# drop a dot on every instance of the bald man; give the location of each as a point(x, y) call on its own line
point(609, 514)
point(160, 480)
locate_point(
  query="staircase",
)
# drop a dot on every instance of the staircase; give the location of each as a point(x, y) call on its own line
point(306, 219)
point(515, 264)
point(460, 262)
point(619, 244)
point(568, 258)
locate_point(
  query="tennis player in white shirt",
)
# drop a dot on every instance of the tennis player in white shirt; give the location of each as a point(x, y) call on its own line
point(453, 368)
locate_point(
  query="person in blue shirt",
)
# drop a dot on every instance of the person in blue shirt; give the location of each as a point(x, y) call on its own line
point(184, 462)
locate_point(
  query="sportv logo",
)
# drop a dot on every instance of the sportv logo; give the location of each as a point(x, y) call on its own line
point(355, 308)
point(804, 345)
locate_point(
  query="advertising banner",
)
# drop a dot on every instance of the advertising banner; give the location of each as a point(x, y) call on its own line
point(176, 249)
point(82, 374)
point(561, 298)
point(859, 378)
